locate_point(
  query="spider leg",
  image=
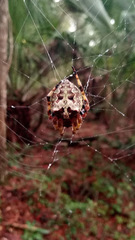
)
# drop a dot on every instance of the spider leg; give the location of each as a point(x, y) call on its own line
point(84, 111)
point(76, 123)
point(79, 121)
point(49, 102)
point(55, 123)
point(84, 115)
point(79, 118)
point(49, 110)
point(85, 100)
point(60, 126)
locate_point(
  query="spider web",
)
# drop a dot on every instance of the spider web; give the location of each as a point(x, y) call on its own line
point(111, 143)
point(95, 59)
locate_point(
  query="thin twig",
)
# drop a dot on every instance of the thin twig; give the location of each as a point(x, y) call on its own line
point(27, 227)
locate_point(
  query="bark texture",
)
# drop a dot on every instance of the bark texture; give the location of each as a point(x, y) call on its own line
point(4, 16)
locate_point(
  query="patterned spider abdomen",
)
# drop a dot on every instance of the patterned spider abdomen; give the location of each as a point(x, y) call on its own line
point(66, 101)
point(67, 105)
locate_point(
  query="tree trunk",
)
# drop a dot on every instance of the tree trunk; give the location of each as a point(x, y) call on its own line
point(4, 17)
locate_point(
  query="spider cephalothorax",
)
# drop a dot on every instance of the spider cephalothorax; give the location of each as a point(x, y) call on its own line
point(67, 105)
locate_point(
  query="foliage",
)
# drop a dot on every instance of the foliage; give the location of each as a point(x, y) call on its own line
point(35, 35)
point(108, 199)
point(105, 40)
point(34, 235)
point(35, 31)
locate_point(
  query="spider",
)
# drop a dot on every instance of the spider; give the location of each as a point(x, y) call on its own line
point(67, 105)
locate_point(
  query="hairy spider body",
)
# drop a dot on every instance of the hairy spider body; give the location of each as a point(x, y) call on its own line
point(67, 105)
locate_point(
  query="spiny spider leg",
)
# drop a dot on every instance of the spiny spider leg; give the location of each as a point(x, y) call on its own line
point(79, 84)
point(49, 102)
point(86, 106)
point(60, 126)
point(76, 123)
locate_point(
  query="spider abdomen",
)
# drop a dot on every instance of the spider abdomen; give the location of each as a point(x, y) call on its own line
point(66, 95)
point(67, 105)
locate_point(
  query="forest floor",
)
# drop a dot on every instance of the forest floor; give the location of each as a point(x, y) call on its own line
point(87, 193)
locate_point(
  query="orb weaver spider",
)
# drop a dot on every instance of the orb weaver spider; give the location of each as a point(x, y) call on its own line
point(67, 105)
